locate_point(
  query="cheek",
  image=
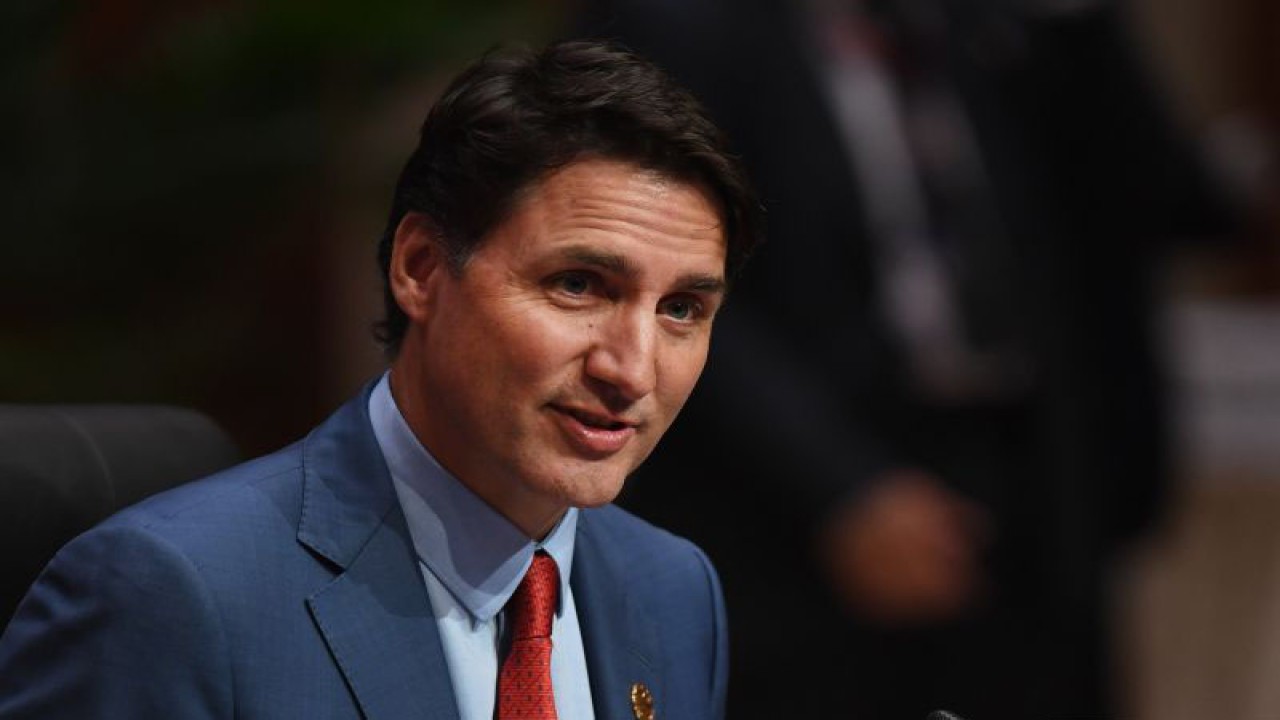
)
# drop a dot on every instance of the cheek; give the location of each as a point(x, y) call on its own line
point(537, 346)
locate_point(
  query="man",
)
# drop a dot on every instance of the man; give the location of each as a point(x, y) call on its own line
point(559, 244)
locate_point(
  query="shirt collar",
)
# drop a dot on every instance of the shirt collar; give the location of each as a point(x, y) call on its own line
point(475, 552)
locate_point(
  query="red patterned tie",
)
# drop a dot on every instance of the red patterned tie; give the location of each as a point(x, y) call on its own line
point(524, 685)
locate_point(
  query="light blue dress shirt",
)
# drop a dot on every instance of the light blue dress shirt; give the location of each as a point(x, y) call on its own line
point(472, 558)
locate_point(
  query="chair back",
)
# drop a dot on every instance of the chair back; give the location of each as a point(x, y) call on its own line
point(63, 468)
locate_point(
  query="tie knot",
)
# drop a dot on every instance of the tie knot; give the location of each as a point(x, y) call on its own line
point(534, 601)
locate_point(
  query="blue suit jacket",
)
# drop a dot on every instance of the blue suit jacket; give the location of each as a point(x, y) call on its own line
point(287, 587)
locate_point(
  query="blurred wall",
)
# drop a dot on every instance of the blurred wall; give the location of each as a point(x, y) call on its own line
point(192, 191)
point(1200, 620)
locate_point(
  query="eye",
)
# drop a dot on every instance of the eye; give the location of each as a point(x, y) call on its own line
point(573, 283)
point(684, 309)
point(576, 288)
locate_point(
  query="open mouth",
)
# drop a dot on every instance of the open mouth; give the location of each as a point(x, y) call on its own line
point(595, 421)
point(595, 435)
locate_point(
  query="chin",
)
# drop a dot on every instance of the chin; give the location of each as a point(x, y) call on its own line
point(592, 489)
point(602, 494)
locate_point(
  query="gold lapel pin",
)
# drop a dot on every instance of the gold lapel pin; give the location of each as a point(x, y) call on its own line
point(641, 702)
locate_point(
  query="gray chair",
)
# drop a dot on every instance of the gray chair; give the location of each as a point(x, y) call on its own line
point(64, 468)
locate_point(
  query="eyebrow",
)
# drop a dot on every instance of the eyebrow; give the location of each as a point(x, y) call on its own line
point(617, 264)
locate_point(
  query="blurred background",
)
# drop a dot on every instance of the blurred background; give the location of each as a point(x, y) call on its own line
point(192, 191)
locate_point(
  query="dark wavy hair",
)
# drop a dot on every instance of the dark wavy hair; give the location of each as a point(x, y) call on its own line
point(517, 114)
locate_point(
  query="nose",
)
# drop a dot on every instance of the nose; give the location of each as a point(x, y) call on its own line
point(623, 355)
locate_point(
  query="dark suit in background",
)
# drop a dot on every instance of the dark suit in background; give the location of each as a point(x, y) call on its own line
point(809, 398)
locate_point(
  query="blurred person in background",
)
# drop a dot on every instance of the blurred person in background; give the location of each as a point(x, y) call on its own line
point(936, 410)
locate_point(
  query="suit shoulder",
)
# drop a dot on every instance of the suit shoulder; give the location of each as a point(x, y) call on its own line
point(623, 523)
point(645, 542)
point(216, 538)
point(231, 507)
point(225, 491)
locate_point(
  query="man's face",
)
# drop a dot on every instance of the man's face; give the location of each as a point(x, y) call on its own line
point(545, 371)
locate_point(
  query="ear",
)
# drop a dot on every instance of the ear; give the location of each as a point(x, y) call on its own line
point(417, 261)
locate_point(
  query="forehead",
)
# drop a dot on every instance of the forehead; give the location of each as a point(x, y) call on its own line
point(603, 199)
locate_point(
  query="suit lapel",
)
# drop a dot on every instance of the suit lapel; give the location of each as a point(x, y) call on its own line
point(619, 638)
point(375, 616)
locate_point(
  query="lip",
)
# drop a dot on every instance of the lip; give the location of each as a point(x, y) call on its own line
point(589, 439)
